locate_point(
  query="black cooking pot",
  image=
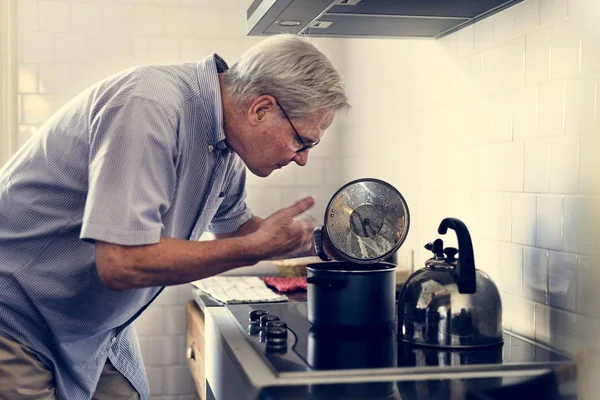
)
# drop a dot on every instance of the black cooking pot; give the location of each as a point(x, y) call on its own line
point(344, 294)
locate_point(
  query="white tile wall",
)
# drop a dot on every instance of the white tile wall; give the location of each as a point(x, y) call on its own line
point(551, 106)
point(37, 46)
point(553, 12)
point(524, 219)
point(502, 117)
point(511, 274)
point(537, 58)
point(53, 16)
point(566, 46)
point(578, 231)
point(580, 110)
point(549, 222)
point(536, 167)
point(564, 165)
point(512, 166)
point(587, 293)
point(589, 164)
point(484, 34)
point(527, 17)
point(67, 45)
point(28, 78)
point(562, 280)
point(535, 274)
point(525, 113)
point(506, 113)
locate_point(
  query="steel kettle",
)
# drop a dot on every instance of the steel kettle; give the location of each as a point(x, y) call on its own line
point(450, 303)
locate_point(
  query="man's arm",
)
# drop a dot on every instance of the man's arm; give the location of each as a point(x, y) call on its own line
point(246, 228)
point(174, 261)
point(171, 261)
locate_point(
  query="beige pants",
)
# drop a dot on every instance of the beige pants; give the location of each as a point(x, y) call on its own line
point(24, 377)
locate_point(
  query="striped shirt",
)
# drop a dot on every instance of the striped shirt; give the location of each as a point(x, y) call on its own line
point(137, 156)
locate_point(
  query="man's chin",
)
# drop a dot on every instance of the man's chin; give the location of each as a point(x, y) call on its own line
point(262, 172)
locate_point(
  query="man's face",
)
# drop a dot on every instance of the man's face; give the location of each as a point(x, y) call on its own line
point(275, 140)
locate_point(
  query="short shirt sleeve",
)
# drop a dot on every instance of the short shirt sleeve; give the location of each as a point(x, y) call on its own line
point(132, 173)
point(233, 211)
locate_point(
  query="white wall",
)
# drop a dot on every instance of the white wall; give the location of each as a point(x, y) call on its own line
point(66, 46)
point(497, 125)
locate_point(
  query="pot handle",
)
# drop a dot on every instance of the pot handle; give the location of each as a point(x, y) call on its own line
point(327, 283)
point(465, 268)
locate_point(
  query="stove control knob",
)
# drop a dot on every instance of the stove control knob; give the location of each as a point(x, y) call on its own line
point(276, 339)
point(276, 334)
point(266, 318)
point(276, 324)
point(254, 315)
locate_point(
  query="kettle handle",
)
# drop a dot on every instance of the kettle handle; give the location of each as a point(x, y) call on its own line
point(465, 268)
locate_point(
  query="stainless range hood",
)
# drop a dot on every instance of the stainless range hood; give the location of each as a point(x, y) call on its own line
point(368, 18)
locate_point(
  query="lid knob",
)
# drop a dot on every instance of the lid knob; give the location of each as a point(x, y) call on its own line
point(450, 252)
point(436, 248)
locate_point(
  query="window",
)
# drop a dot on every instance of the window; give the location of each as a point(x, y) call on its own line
point(8, 79)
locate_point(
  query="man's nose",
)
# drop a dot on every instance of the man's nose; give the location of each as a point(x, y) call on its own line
point(301, 158)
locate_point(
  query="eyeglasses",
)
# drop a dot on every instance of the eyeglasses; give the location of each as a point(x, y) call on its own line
point(305, 146)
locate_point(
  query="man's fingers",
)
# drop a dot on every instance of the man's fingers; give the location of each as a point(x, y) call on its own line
point(299, 207)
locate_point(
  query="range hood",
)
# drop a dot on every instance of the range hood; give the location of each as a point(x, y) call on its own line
point(368, 18)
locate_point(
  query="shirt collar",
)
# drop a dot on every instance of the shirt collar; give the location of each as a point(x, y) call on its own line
point(208, 79)
point(220, 63)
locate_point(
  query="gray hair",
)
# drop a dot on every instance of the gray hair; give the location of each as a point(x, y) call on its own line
point(293, 70)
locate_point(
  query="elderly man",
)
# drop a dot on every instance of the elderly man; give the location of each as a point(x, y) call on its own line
point(105, 205)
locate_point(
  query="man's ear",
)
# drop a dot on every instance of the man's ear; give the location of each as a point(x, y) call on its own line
point(260, 108)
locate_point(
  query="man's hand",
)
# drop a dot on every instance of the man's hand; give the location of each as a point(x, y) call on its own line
point(281, 236)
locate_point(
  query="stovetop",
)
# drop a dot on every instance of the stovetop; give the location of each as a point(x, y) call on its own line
point(300, 347)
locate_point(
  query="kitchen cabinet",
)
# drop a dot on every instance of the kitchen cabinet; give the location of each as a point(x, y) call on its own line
point(195, 347)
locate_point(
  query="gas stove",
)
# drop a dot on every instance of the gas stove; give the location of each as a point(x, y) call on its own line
point(285, 339)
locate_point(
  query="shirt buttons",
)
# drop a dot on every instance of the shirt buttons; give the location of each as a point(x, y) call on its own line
point(210, 149)
point(113, 340)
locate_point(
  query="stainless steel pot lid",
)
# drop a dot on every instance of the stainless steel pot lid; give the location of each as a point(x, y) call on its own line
point(367, 220)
